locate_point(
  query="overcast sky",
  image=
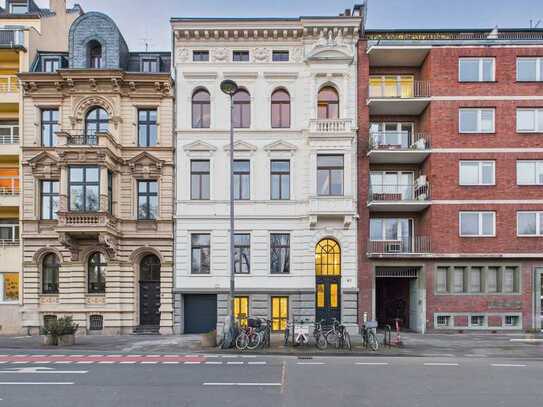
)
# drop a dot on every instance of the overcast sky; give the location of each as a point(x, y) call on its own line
point(139, 19)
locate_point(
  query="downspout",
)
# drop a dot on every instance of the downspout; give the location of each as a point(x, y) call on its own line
point(174, 145)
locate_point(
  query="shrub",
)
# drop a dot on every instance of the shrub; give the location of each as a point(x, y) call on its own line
point(60, 327)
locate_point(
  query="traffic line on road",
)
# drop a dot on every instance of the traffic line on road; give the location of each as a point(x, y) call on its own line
point(441, 364)
point(372, 363)
point(310, 363)
point(35, 383)
point(213, 363)
point(240, 384)
point(506, 365)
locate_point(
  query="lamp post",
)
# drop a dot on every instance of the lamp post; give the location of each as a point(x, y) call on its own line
point(230, 87)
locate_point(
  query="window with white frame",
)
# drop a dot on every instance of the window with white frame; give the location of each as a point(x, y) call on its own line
point(9, 287)
point(443, 320)
point(511, 320)
point(529, 120)
point(477, 224)
point(477, 172)
point(529, 69)
point(472, 120)
point(530, 172)
point(529, 223)
point(477, 321)
point(476, 69)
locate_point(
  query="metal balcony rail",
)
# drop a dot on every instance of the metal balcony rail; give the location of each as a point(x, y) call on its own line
point(399, 192)
point(399, 89)
point(406, 245)
point(83, 140)
point(9, 186)
point(11, 37)
point(398, 140)
point(9, 243)
point(9, 84)
point(9, 134)
point(330, 125)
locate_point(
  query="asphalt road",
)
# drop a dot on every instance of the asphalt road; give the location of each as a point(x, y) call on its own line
point(229, 380)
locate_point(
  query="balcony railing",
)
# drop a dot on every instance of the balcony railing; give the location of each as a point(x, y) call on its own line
point(404, 246)
point(9, 186)
point(399, 192)
point(9, 243)
point(399, 89)
point(398, 140)
point(11, 37)
point(82, 140)
point(9, 134)
point(330, 125)
point(86, 219)
point(9, 84)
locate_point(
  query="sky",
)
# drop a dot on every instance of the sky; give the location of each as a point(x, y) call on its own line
point(147, 21)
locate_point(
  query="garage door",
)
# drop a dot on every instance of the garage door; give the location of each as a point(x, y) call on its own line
point(200, 313)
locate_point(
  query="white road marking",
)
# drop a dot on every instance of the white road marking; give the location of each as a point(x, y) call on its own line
point(35, 383)
point(234, 363)
point(148, 363)
point(63, 362)
point(170, 363)
point(18, 363)
point(114, 356)
point(372, 363)
point(310, 363)
point(229, 356)
point(441, 364)
point(128, 362)
point(106, 362)
point(242, 384)
point(256, 363)
point(213, 363)
point(506, 365)
point(152, 356)
point(85, 362)
point(248, 356)
point(438, 355)
point(192, 363)
point(469, 355)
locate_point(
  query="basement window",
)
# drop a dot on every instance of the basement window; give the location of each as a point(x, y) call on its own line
point(96, 323)
point(443, 321)
point(511, 321)
point(477, 321)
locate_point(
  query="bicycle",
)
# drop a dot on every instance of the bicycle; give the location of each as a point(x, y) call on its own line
point(369, 337)
point(320, 338)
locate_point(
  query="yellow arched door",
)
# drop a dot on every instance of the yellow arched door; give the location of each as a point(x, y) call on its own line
point(328, 280)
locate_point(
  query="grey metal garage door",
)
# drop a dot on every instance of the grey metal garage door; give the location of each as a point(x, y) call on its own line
point(200, 313)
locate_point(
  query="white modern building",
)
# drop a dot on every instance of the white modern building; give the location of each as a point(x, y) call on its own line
point(295, 169)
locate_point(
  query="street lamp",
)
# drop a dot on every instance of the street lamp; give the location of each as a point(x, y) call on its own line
point(230, 87)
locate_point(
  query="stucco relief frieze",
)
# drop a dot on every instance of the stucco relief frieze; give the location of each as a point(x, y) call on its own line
point(261, 55)
point(297, 54)
point(182, 54)
point(220, 54)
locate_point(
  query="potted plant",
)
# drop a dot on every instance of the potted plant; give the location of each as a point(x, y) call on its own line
point(50, 333)
point(67, 330)
point(209, 339)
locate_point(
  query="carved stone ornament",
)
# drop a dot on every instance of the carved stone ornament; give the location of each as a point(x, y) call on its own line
point(71, 244)
point(145, 165)
point(182, 55)
point(109, 243)
point(297, 54)
point(220, 54)
point(96, 300)
point(262, 54)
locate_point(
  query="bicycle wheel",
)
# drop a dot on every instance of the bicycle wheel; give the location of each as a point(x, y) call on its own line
point(332, 338)
point(373, 341)
point(347, 340)
point(242, 341)
point(254, 340)
point(320, 342)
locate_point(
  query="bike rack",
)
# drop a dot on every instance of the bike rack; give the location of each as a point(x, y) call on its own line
point(388, 336)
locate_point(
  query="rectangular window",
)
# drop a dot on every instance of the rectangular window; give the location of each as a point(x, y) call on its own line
point(280, 179)
point(441, 280)
point(147, 127)
point(84, 189)
point(477, 321)
point(147, 200)
point(240, 56)
point(9, 231)
point(477, 224)
point(110, 191)
point(475, 279)
point(529, 69)
point(530, 172)
point(49, 127)
point(476, 69)
point(242, 253)
point(19, 8)
point(242, 179)
point(320, 296)
point(458, 280)
point(476, 120)
point(200, 56)
point(510, 283)
point(9, 287)
point(477, 172)
point(241, 310)
point(149, 65)
point(199, 179)
point(280, 253)
point(529, 120)
point(49, 199)
point(280, 56)
point(200, 253)
point(279, 311)
point(443, 320)
point(492, 274)
point(51, 65)
point(529, 223)
point(330, 175)
point(511, 321)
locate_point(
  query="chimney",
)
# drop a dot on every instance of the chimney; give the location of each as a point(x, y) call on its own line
point(347, 12)
point(58, 6)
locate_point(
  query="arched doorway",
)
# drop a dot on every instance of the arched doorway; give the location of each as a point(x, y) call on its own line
point(149, 291)
point(328, 280)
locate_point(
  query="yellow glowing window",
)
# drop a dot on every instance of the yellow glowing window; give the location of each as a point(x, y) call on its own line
point(279, 313)
point(328, 258)
point(9, 283)
point(391, 86)
point(320, 295)
point(406, 85)
point(333, 296)
point(241, 310)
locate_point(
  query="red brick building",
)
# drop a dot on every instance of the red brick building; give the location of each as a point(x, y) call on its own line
point(451, 178)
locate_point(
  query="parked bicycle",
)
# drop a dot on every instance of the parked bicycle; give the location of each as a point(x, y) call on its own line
point(369, 337)
point(333, 333)
point(256, 334)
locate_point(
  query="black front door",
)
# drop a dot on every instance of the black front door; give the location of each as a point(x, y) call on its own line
point(149, 302)
point(328, 298)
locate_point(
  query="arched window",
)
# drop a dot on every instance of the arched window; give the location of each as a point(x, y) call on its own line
point(150, 268)
point(95, 54)
point(201, 109)
point(241, 117)
point(328, 258)
point(96, 121)
point(50, 268)
point(280, 109)
point(97, 273)
point(328, 103)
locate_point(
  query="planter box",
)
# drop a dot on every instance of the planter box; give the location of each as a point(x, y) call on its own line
point(66, 340)
point(49, 340)
point(208, 341)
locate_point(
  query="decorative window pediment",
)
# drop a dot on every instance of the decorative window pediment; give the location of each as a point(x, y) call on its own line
point(145, 165)
point(45, 165)
point(331, 49)
point(199, 146)
point(280, 146)
point(242, 146)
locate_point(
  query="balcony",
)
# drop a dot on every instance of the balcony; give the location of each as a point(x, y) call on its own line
point(9, 139)
point(398, 147)
point(82, 140)
point(399, 198)
point(331, 127)
point(411, 246)
point(9, 191)
point(396, 55)
point(11, 38)
point(402, 96)
point(86, 224)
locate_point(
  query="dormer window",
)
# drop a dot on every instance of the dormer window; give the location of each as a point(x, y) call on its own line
point(149, 65)
point(51, 64)
point(19, 8)
point(95, 55)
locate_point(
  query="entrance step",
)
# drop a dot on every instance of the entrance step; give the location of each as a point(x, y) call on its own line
point(146, 330)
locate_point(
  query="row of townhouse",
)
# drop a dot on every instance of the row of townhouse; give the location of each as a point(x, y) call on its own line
point(389, 175)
